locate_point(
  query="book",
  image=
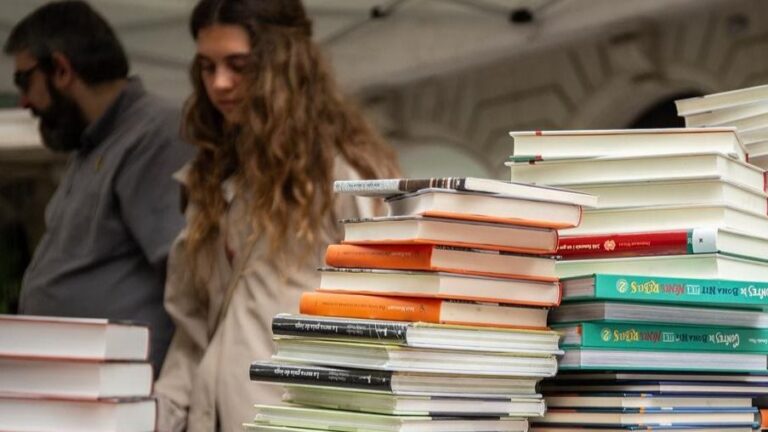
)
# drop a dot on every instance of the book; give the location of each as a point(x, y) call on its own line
point(663, 337)
point(644, 400)
point(74, 379)
point(447, 232)
point(406, 359)
point(678, 192)
point(417, 335)
point(651, 417)
point(718, 101)
point(317, 418)
point(390, 187)
point(606, 311)
point(382, 403)
point(485, 208)
point(579, 428)
point(723, 116)
point(449, 259)
point(422, 309)
point(62, 415)
point(440, 285)
point(705, 266)
point(656, 387)
point(594, 358)
point(399, 383)
point(675, 242)
point(617, 169)
point(749, 123)
point(754, 135)
point(696, 377)
point(626, 142)
point(661, 218)
point(72, 338)
point(634, 288)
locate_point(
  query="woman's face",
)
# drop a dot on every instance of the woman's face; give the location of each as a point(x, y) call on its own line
point(223, 53)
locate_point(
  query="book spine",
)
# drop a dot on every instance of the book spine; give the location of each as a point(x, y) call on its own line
point(406, 257)
point(371, 307)
point(679, 290)
point(673, 338)
point(339, 329)
point(308, 375)
point(386, 187)
point(638, 244)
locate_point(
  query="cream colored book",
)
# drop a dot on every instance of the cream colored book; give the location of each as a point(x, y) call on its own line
point(722, 117)
point(717, 101)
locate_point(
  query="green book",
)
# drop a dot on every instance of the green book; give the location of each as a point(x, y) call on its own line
point(653, 289)
point(664, 337)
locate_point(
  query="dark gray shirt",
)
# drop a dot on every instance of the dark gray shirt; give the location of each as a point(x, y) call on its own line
point(111, 222)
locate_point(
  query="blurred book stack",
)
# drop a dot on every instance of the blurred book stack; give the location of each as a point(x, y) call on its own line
point(744, 109)
point(432, 318)
point(74, 375)
point(663, 283)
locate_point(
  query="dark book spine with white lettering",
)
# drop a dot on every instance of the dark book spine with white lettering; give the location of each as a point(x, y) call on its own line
point(339, 328)
point(321, 376)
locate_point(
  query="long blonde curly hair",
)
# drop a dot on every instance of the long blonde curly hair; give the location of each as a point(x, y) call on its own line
point(295, 124)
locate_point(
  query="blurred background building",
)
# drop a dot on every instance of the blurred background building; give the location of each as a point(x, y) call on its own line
point(443, 79)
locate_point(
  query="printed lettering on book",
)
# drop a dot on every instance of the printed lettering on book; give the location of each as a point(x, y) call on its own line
point(653, 287)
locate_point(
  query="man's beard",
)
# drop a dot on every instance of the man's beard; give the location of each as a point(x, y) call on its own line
point(63, 123)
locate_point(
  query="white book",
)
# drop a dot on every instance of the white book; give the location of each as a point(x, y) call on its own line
point(698, 266)
point(62, 415)
point(272, 418)
point(72, 338)
point(757, 148)
point(754, 135)
point(691, 191)
point(721, 117)
point(74, 379)
point(749, 123)
point(716, 101)
point(663, 218)
point(568, 172)
point(626, 142)
point(406, 359)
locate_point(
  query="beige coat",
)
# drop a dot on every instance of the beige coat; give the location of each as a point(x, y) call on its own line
point(204, 385)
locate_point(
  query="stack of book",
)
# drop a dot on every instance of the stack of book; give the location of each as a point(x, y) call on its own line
point(433, 318)
point(74, 375)
point(668, 274)
point(745, 109)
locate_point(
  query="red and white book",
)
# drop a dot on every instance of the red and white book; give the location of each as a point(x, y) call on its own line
point(672, 242)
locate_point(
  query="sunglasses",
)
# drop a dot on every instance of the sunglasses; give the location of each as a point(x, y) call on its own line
point(23, 78)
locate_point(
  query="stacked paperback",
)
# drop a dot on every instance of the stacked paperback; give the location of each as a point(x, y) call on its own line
point(663, 283)
point(74, 375)
point(744, 109)
point(432, 318)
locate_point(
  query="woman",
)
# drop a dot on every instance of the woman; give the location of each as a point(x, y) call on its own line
point(272, 133)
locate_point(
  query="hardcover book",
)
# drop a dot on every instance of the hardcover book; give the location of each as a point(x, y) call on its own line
point(594, 358)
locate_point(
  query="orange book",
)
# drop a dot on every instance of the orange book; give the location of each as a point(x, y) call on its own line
point(442, 258)
point(764, 418)
point(422, 309)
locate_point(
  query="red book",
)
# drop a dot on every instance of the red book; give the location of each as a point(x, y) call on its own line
point(679, 242)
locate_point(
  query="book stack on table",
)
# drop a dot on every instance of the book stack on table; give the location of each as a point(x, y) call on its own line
point(745, 109)
point(74, 375)
point(663, 283)
point(433, 318)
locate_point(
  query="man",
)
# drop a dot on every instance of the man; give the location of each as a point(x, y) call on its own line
point(112, 219)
